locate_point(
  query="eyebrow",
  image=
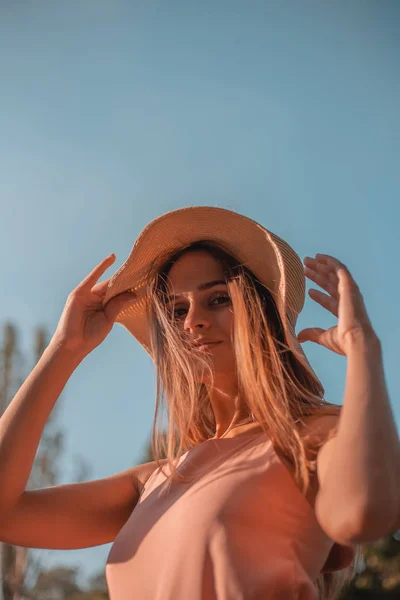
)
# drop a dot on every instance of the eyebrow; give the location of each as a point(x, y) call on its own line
point(203, 286)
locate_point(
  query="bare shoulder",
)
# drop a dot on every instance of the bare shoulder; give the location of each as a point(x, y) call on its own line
point(318, 432)
point(141, 473)
point(320, 426)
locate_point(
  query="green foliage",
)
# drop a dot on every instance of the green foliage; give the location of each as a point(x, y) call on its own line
point(379, 576)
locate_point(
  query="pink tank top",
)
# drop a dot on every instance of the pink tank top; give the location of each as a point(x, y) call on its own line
point(239, 530)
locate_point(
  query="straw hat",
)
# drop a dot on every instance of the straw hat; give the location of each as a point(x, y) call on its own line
point(267, 255)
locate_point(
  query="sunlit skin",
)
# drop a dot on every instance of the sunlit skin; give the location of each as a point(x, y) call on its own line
point(209, 314)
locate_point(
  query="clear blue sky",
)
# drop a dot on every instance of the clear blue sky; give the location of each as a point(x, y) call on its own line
point(113, 112)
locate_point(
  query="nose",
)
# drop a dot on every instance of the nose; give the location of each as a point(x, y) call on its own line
point(196, 318)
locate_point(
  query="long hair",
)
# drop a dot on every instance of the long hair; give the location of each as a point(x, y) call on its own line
point(277, 390)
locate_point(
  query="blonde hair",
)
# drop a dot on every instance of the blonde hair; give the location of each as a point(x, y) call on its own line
point(277, 390)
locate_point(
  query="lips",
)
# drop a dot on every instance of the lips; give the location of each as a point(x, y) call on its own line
point(206, 345)
point(202, 341)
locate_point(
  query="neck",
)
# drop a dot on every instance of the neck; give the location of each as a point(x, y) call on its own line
point(229, 410)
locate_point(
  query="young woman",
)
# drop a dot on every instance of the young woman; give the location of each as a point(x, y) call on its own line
point(266, 489)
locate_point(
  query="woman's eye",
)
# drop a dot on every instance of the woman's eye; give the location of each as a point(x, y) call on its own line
point(176, 311)
point(218, 300)
point(224, 298)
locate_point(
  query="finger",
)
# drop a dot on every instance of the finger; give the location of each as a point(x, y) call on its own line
point(326, 270)
point(120, 302)
point(323, 281)
point(101, 287)
point(353, 309)
point(96, 273)
point(312, 334)
point(312, 263)
point(347, 281)
point(326, 301)
point(327, 260)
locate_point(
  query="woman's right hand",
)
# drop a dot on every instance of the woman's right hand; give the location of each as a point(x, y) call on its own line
point(85, 323)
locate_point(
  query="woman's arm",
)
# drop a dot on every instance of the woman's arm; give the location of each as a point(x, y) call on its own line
point(359, 494)
point(23, 422)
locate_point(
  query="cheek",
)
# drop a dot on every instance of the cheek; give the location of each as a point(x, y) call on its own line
point(226, 322)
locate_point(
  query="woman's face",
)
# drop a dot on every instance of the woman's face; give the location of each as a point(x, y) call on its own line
point(203, 308)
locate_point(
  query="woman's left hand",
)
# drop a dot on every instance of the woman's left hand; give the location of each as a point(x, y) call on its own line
point(344, 300)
